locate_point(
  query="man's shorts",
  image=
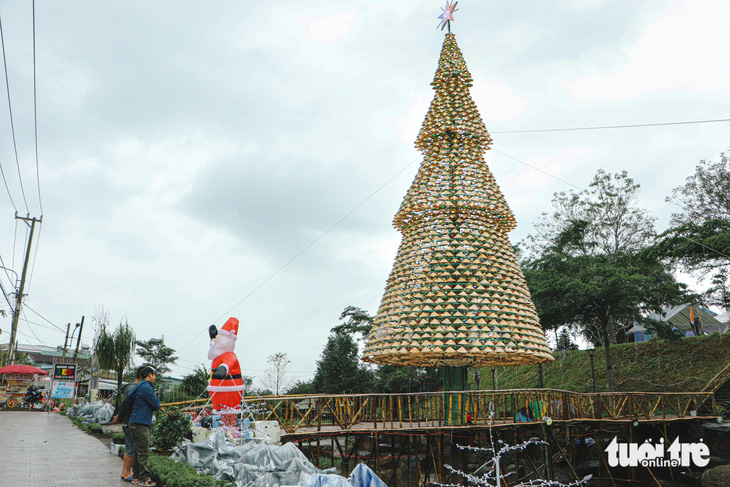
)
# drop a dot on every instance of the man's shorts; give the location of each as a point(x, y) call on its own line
point(128, 445)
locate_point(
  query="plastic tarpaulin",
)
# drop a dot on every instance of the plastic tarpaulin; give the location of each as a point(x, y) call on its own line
point(256, 464)
point(362, 476)
point(322, 480)
point(95, 412)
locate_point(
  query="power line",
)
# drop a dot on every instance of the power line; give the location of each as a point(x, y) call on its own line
point(537, 169)
point(604, 127)
point(6, 269)
point(12, 125)
point(5, 295)
point(46, 319)
point(583, 189)
point(35, 120)
point(33, 332)
point(307, 247)
point(35, 254)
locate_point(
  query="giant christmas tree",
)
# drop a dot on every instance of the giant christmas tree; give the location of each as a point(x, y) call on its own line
point(456, 295)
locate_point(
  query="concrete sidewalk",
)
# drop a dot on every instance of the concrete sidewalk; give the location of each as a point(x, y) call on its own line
point(46, 449)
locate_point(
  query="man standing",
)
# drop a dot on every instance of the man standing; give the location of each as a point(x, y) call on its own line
point(145, 402)
point(124, 420)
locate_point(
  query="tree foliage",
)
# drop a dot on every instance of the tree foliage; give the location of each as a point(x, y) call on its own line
point(154, 352)
point(301, 387)
point(613, 222)
point(564, 342)
point(699, 240)
point(393, 379)
point(705, 195)
point(196, 383)
point(339, 370)
point(276, 376)
point(18, 358)
point(114, 350)
point(357, 321)
point(587, 268)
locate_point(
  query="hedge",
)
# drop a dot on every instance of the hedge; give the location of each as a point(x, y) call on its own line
point(172, 474)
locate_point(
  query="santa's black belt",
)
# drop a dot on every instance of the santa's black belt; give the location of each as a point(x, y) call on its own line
point(234, 376)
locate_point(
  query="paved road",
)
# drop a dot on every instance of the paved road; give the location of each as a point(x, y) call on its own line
point(41, 449)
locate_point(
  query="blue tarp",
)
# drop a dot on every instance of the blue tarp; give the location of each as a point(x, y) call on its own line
point(362, 476)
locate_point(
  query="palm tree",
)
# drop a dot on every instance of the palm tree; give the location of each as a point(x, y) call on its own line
point(115, 350)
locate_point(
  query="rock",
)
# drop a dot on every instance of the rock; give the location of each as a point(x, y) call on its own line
point(717, 461)
point(716, 477)
point(563, 476)
point(590, 467)
point(668, 483)
point(691, 479)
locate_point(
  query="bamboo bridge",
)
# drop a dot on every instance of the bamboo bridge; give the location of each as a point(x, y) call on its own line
point(306, 414)
point(409, 438)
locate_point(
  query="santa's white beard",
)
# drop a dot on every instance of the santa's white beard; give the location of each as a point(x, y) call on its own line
point(224, 345)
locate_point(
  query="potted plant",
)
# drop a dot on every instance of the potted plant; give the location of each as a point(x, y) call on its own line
point(719, 410)
point(118, 438)
point(169, 429)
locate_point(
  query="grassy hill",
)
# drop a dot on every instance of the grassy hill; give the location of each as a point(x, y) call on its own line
point(685, 365)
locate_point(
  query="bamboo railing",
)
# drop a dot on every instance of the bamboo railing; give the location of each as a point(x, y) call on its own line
point(362, 412)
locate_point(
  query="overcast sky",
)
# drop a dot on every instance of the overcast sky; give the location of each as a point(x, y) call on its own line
point(189, 152)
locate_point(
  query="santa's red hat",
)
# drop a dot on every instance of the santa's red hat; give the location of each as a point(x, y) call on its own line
point(230, 329)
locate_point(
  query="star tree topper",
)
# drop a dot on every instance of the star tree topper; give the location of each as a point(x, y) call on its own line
point(447, 15)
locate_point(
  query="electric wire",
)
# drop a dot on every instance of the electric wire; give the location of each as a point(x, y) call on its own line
point(35, 254)
point(35, 117)
point(45, 319)
point(33, 332)
point(5, 295)
point(6, 269)
point(5, 64)
point(605, 127)
point(537, 169)
point(12, 125)
point(307, 247)
point(582, 189)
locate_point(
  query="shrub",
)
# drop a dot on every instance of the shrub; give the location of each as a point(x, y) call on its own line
point(169, 429)
point(173, 474)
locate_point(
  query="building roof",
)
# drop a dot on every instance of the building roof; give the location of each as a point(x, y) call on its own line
point(45, 354)
point(679, 317)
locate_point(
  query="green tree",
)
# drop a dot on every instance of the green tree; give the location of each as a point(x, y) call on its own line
point(700, 249)
point(196, 383)
point(699, 240)
point(597, 292)
point(394, 379)
point(115, 350)
point(705, 195)
point(339, 370)
point(604, 219)
point(564, 343)
point(301, 387)
point(613, 221)
point(154, 352)
point(357, 321)
point(20, 358)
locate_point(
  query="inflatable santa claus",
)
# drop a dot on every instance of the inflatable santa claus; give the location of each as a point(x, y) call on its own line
point(226, 384)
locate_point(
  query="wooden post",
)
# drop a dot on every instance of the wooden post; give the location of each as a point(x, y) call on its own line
point(377, 455)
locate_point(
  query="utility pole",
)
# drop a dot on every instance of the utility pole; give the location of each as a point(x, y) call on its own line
point(19, 299)
point(78, 338)
point(65, 342)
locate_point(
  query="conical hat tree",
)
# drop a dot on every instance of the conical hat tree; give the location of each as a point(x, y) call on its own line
point(456, 295)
